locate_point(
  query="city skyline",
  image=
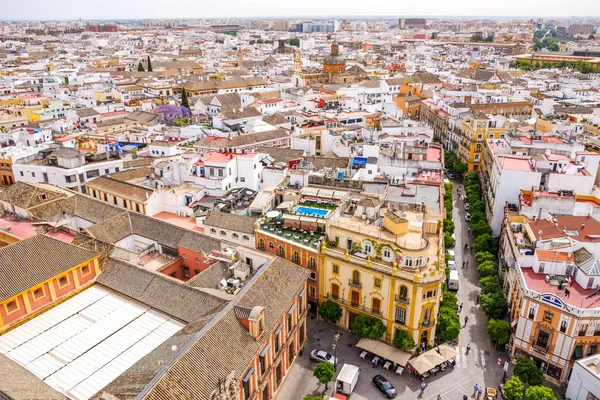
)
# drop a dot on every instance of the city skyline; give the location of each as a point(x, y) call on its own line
point(151, 9)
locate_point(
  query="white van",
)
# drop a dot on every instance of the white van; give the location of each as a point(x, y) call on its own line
point(347, 379)
point(453, 280)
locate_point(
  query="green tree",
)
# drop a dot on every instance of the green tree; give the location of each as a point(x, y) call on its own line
point(219, 40)
point(369, 327)
point(449, 240)
point(184, 99)
point(324, 372)
point(294, 42)
point(403, 341)
point(498, 331)
point(330, 311)
point(448, 327)
point(484, 242)
point(477, 37)
point(528, 372)
point(539, 393)
point(141, 67)
point(484, 256)
point(487, 268)
point(489, 284)
point(149, 65)
point(449, 226)
point(514, 388)
point(494, 305)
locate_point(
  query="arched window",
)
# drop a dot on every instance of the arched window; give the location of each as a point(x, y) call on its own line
point(387, 253)
point(261, 243)
point(367, 247)
point(281, 251)
point(403, 292)
point(235, 236)
point(213, 230)
point(246, 237)
point(356, 277)
point(408, 261)
point(223, 233)
point(420, 260)
point(271, 245)
point(312, 262)
point(296, 257)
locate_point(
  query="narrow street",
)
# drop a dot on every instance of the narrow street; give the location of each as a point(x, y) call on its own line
point(480, 366)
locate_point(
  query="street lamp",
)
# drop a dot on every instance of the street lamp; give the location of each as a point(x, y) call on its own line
point(336, 337)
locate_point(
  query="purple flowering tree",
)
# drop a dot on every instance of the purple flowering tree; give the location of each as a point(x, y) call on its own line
point(169, 113)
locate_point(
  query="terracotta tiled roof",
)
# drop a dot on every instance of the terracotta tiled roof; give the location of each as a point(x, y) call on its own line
point(226, 345)
point(128, 190)
point(234, 222)
point(25, 196)
point(32, 261)
point(160, 292)
point(555, 256)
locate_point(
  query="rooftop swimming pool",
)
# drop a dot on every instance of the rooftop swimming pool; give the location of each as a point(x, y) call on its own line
point(311, 212)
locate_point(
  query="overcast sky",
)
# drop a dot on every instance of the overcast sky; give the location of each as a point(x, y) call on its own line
point(138, 9)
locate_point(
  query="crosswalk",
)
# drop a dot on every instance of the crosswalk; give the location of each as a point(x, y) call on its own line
point(475, 357)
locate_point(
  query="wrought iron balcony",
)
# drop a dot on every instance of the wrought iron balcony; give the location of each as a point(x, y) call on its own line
point(428, 324)
point(377, 313)
point(355, 284)
point(403, 300)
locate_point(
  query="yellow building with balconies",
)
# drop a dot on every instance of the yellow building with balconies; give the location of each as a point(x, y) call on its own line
point(385, 264)
point(473, 134)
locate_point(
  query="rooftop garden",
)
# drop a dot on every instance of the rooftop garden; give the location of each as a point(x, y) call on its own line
point(306, 236)
point(321, 204)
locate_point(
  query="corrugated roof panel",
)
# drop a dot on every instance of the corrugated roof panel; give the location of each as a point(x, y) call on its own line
point(98, 334)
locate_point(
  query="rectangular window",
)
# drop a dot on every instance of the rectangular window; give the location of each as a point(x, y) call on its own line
point(547, 315)
point(242, 179)
point(38, 293)
point(542, 339)
point(220, 173)
point(563, 326)
point(400, 316)
point(265, 392)
point(11, 307)
point(583, 329)
point(85, 270)
point(593, 349)
point(312, 292)
point(336, 269)
point(63, 281)
point(247, 383)
point(531, 313)
point(377, 283)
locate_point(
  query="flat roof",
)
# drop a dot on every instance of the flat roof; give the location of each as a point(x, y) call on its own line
point(81, 345)
point(515, 163)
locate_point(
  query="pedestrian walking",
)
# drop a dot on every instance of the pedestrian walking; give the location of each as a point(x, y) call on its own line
point(468, 348)
point(439, 397)
point(463, 264)
point(466, 319)
point(465, 397)
point(479, 391)
point(475, 389)
point(423, 386)
point(460, 307)
point(467, 264)
point(567, 293)
point(469, 230)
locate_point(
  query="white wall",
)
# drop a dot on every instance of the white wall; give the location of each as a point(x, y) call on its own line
point(583, 381)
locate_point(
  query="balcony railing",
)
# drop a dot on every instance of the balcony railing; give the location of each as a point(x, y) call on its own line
point(352, 304)
point(399, 299)
point(427, 324)
point(355, 284)
point(540, 348)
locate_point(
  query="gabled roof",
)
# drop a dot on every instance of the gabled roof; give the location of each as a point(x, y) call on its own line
point(225, 345)
point(160, 292)
point(24, 195)
point(29, 262)
point(234, 222)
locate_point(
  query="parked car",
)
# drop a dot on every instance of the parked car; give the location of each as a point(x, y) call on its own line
point(452, 265)
point(384, 386)
point(467, 216)
point(467, 207)
point(322, 356)
point(452, 254)
point(450, 175)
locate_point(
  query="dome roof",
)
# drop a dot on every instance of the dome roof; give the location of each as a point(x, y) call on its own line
point(334, 60)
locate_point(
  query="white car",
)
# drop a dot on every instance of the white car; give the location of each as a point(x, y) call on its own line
point(322, 356)
point(452, 265)
point(452, 254)
point(467, 216)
